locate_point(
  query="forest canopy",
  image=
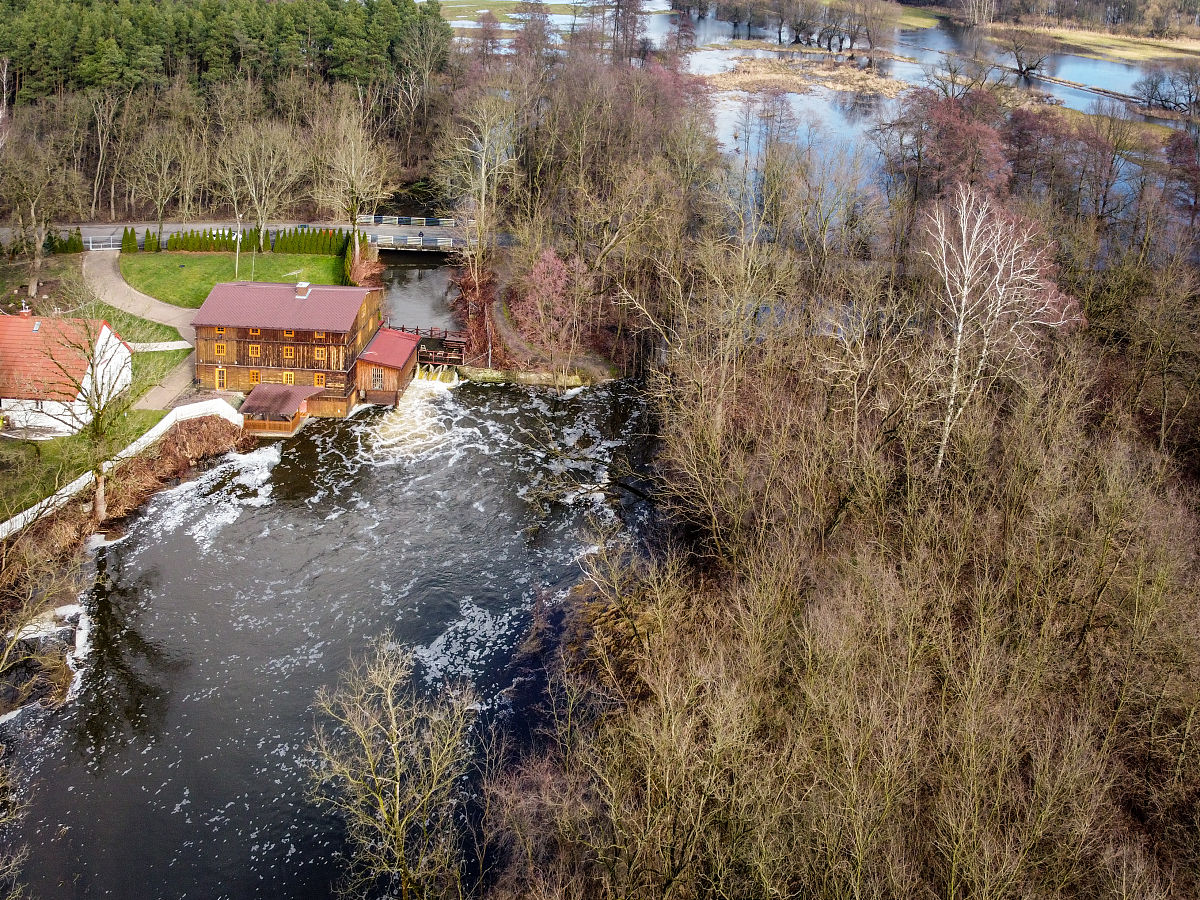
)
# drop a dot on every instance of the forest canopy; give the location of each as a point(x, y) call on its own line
point(65, 45)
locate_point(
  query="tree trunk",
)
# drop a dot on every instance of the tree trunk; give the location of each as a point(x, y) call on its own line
point(100, 506)
point(35, 268)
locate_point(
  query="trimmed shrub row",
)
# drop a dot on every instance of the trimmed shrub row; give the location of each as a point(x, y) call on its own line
point(209, 240)
point(320, 242)
point(323, 242)
point(72, 243)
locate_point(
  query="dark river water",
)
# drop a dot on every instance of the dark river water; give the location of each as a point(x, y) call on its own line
point(178, 770)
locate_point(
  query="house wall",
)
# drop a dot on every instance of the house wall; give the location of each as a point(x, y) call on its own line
point(109, 375)
point(55, 417)
point(394, 380)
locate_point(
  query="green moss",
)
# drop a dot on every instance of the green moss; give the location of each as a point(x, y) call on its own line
point(185, 279)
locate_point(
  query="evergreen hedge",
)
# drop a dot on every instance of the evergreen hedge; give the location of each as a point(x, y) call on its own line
point(315, 241)
point(210, 241)
point(72, 243)
point(129, 242)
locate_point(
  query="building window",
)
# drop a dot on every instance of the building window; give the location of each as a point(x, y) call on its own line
point(320, 354)
point(289, 333)
point(289, 352)
point(255, 332)
point(289, 377)
point(319, 379)
point(255, 376)
point(377, 379)
point(220, 330)
point(255, 350)
point(219, 350)
point(318, 335)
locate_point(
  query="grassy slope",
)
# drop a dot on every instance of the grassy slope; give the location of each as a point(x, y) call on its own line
point(1121, 47)
point(132, 328)
point(32, 470)
point(922, 16)
point(185, 279)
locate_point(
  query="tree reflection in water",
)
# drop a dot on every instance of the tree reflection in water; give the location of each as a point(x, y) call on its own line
point(124, 691)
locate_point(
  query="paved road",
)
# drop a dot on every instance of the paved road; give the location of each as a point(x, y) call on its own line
point(102, 272)
point(114, 231)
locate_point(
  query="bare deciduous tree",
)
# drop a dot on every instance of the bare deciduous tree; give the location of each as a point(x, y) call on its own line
point(478, 156)
point(38, 182)
point(353, 171)
point(264, 162)
point(155, 170)
point(994, 295)
point(392, 766)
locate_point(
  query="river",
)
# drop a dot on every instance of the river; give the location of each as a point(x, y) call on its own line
point(178, 771)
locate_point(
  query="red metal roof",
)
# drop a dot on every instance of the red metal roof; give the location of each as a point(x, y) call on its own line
point(45, 358)
point(276, 401)
point(264, 304)
point(391, 348)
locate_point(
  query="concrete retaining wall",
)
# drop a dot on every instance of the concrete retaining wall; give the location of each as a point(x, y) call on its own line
point(533, 379)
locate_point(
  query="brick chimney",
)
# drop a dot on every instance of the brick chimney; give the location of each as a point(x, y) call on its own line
point(26, 312)
point(302, 289)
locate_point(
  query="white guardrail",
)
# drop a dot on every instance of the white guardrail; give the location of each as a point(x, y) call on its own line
point(423, 221)
point(59, 498)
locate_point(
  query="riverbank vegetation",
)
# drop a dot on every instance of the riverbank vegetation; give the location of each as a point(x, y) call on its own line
point(923, 618)
point(919, 618)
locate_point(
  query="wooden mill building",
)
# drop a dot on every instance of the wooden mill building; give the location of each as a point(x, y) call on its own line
point(250, 333)
point(300, 350)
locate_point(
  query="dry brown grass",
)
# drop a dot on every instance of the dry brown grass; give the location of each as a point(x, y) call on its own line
point(753, 75)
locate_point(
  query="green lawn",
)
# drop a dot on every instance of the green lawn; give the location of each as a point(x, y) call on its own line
point(33, 470)
point(922, 16)
point(132, 328)
point(185, 279)
point(151, 368)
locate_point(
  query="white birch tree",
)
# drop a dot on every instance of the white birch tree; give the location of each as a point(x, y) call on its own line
point(994, 297)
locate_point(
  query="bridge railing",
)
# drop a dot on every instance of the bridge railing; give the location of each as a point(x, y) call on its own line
point(415, 242)
point(423, 221)
point(444, 334)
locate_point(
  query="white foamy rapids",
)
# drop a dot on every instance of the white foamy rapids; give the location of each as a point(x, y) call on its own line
point(248, 478)
point(465, 648)
point(414, 428)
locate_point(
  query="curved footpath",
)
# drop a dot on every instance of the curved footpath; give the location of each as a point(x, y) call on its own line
point(102, 273)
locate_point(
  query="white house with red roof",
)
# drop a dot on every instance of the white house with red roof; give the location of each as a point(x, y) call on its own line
point(56, 374)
